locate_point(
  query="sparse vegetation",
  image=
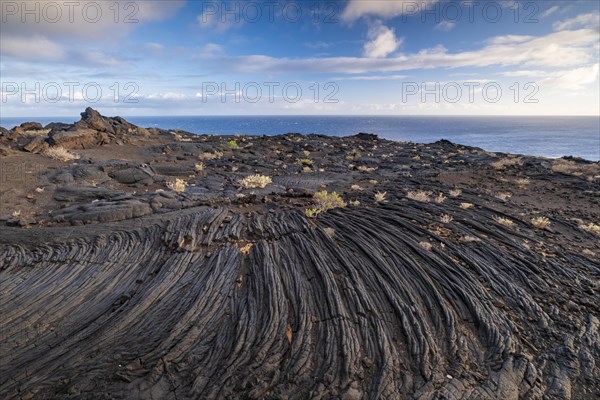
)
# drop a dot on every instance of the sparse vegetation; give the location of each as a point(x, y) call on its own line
point(380, 196)
point(466, 206)
point(592, 228)
point(305, 161)
point(577, 169)
point(507, 162)
point(445, 218)
point(419, 195)
point(325, 201)
point(426, 246)
point(255, 181)
point(504, 221)
point(440, 198)
point(60, 153)
point(540, 222)
point(199, 167)
point(364, 168)
point(207, 156)
point(232, 144)
point(523, 182)
point(245, 250)
point(356, 188)
point(455, 192)
point(503, 196)
point(355, 203)
point(177, 185)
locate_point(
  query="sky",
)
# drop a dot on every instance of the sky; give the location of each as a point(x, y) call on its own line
point(347, 57)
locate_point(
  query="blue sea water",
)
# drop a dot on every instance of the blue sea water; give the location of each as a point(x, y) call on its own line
point(539, 136)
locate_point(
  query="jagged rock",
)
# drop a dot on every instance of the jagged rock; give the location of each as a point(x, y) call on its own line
point(91, 119)
point(366, 136)
point(58, 126)
point(31, 126)
point(78, 139)
point(37, 145)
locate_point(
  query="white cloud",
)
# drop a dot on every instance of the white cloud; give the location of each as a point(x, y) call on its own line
point(549, 11)
point(382, 41)
point(445, 26)
point(371, 78)
point(31, 48)
point(574, 79)
point(591, 21)
point(383, 8)
point(556, 50)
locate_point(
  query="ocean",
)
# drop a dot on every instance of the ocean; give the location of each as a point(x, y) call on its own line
point(539, 136)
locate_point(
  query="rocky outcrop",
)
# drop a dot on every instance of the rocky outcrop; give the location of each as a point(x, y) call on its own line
point(78, 139)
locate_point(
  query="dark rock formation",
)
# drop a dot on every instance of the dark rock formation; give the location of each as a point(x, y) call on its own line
point(123, 288)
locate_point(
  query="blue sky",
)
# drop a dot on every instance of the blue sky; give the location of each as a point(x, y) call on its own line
point(390, 57)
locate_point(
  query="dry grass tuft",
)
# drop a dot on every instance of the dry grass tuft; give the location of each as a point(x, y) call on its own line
point(245, 250)
point(592, 228)
point(419, 195)
point(207, 156)
point(523, 182)
point(60, 153)
point(503, 196)
point(255, 181)
point(199, 167)
point(577, 169)
point(364, 168)
point(426, 246)
point(540, 222)
point(466, 206)
point(445, 218)
point(380, 196)
point(504, 221)
point(507, 162)
point(356, 188)
point(455, 192)
point(177, 185)
point(440, 198)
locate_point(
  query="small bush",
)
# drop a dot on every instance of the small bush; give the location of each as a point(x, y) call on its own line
point(507, 162)
point(177, 185)
point(592, 228)
point(577, 169)
point(364, 168)
point(503, 196)
point(523, 182)
point(255, 181)
point(325, 201)
point(232, 144)
point(426, 246)
point(207, 156)
point(380, 197)
point(420, 195)
point(60, 153)
point(445, 218)
point(504, 221)
point(540, 222)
